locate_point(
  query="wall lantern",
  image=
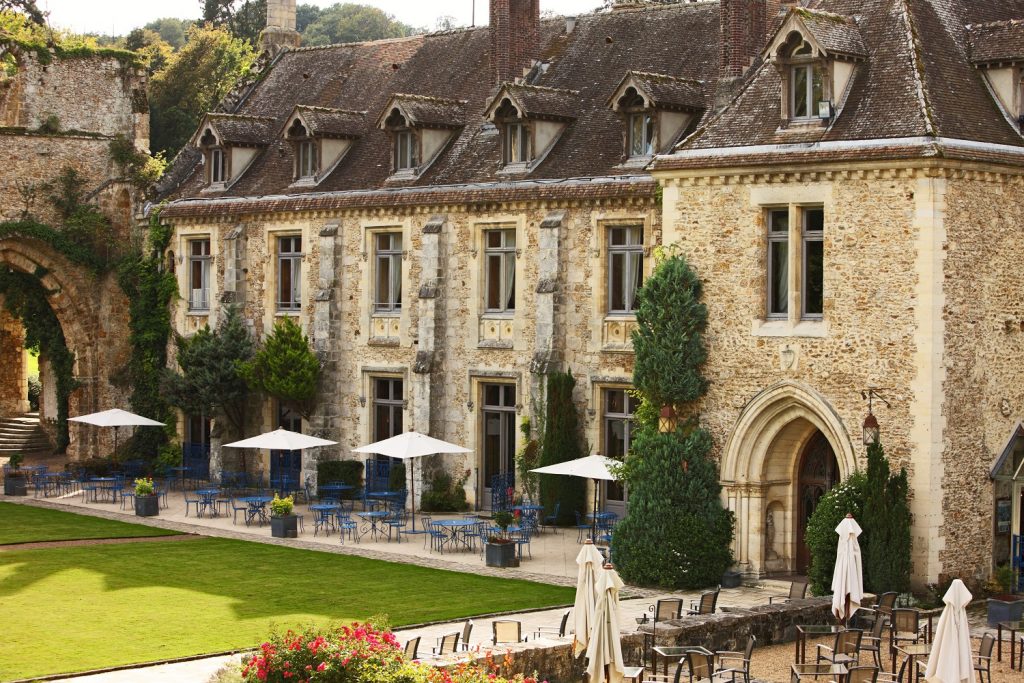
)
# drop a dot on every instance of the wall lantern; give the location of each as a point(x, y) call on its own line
point(871, 429)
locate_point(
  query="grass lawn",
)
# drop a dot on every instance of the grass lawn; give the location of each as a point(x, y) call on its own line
point(77, 608)
point(25, 524)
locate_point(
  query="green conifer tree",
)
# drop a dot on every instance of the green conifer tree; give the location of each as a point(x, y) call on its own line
point(886, 539)
point(286, 368)
point(561, 443)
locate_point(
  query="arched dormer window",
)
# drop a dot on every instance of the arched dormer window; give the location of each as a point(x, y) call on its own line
point(640, 128)
point(806, 78)
point(307, 163)
point(515, 135)
point(216, 161)
point(405, 146)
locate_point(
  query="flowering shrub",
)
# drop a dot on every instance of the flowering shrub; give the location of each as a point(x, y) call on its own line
point(279, 507)
point(359, 653)
point(144, 487)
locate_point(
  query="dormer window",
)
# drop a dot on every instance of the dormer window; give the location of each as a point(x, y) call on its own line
point(320, 138)
point(641, 134)
point(229, 144)
point(216, 160)
point(420, 129)
point(530, 120)
point(655, 109)
point(306, 165)
point(405, 150)
point(806, 83)
point(515, 135)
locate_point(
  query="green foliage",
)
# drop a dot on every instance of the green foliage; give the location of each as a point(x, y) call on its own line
point(151, 46)
point(676, 535)
point(138, 167)
point(170, 29)
point(14, 462)
point(26, 7)
point(285, 368)
point(50, 125)
point(279, 507)
point(349, 23)
point(245, 19)
point(195, 80)
point(396, 477)
point(821, 537)
point(341, 471)
point(503, 519)
point(210, 381)
point(144, 487)
point(20, 31)
point(527, 459)
point(561, 443)
point(444, 493)
point(60, 241)
point(886, 524)
point(35, 390)
point(669, 335)
point(305, 15)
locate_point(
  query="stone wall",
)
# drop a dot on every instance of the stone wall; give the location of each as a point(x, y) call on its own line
point(13, 374)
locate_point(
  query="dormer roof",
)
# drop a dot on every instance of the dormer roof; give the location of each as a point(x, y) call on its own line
point(536, 102)
point(236, 129)
point(330, 123)
point(833, 35)
point(998, 42)
point(420, 111)
point(661, 91)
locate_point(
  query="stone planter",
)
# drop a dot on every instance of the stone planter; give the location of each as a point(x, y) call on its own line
point(15, 486)
point(284, 526)
point(1005, 608)
point(147, 506)
point(731, 579)
point(501, 555)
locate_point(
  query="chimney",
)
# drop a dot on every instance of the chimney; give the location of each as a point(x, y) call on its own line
point(280, 32)
point(743, 35)
point(515, 37)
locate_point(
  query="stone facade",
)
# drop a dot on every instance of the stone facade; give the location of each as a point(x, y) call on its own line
point(13, 374)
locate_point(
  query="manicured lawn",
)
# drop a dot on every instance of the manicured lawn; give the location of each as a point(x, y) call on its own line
point(24, 524)
point(77, 608)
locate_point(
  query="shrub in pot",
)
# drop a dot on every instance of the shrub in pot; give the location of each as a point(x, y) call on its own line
point(15, 480)
point(501, 548)
point(147, 502)
point(283, 524)
point(1004, 605)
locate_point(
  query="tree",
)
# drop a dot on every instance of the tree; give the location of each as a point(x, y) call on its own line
point(286, 368)
point(349, 23)
point(158, 52)
point(195, 80)
point(26, 7)
point(886, 524)
point(820, 535)
point(561, 443)
point(210, 380)
point(305, 15)
point(244, 19)
point(171, 29)
point(676, 533)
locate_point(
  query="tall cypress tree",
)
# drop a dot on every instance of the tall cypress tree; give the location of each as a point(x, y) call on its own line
point(886, 524)
point(286, 368)
point(676, 533)
point(561, 443)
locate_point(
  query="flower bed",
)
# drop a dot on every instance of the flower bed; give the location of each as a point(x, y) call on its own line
point(358, 653)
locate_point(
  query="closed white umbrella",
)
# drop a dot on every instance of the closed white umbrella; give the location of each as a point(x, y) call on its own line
point(848, 576)
point(281, 440)
point(590, 562)
point(596, 467)
point(409, 445)
point(604, 653)
point(951, 659)
point(115, 417)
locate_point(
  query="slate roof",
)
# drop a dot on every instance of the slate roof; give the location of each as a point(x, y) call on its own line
point(246, 131)
point(836, 33)
point(916, 82)
point(536, 102)
point(998, 41)
point(332, 123)
point(427, 112)
point(669, 92)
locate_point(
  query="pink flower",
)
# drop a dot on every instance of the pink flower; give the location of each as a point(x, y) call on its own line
point(323, 665)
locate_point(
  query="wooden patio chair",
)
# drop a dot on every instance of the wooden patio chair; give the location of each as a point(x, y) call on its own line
point(412, 647)
point(706, 604)
point(551, 631)
point(449, 645)
point(507, 631)
point(872, 641)
point(467, 630)
point(737, 662)
point(797, 591)
point(845, 649)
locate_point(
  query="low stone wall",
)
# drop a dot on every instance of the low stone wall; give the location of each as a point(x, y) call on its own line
point(770, 624)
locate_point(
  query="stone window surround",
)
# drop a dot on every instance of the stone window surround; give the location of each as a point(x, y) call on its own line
point(785, 66)
point(477, 283)
point(600, 224)
point(367, 375)
point(270, 274)
point(473, 424)
point(205, 261)
point(278, 258)
point(397, 322)
point(761, 200)
point(184, 237)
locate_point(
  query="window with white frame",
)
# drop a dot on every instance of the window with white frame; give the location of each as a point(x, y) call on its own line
point(808, 233)
point(516, 143)
point(388, 272)
point(307, 159)
point(806, 90)
point(199, 275)
point(218, 167)
point(405, 150)
point(618, 405)
point(500, 271)
point(625, 267)
point(289, 273)
point(641, 134)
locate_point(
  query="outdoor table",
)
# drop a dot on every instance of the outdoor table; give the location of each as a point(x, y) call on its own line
point(816, 671)
point(1012, 627)
point(912, 652)
point(257, 508)
point(454, 527)
point(182, 471)
point(107, 485)
point(52, 483)
point(207, 501)
point(327, 510)
point(336, 489)
point(673, 652)
point(530, 512)
point(371, 523)
point(815, 631)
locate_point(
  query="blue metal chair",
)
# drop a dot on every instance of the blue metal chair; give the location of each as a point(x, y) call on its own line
point(522, 538)
point(195, 501)
point(237, 507)
point(582, 527)
point(323, 520)
point(396, 521)
point(346, 525)
point(549, 520)
point(437, 536)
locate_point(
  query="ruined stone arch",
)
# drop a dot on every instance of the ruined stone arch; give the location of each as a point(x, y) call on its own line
point(11, 85)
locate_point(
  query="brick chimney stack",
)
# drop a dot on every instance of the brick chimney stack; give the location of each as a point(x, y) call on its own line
point(515, 37)
point(744, 27)
point(280, 32)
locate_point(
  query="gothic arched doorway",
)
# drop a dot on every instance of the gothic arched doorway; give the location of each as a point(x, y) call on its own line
point(818, 472)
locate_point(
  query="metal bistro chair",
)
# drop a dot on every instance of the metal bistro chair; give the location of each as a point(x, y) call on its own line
point(707, 603)
point(797, 591)
point(845, 649)
point(412, 647)
point(737, 662)
point(872, 641)
point(551, 631)
point(583, 527)
point(449, 645)
point(881, 610)
point(983, 660)
point(347, 525)
point(905, 627)
point(467, 630)
point(550, 520)
point(506, 631)
point(868, 674)
point(664, 610)
point(323, 520)
point(194, 500)
point(700, 665)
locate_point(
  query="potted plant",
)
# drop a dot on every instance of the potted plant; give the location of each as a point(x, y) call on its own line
point(283, 524)
point(501, 549)
point(15, 480)
point(1004, 605)
point(147, 502)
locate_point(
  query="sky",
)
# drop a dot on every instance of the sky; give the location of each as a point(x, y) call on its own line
point(118, 17)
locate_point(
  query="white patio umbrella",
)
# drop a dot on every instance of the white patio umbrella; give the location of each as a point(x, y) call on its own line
point(594, 467)
point(115, 417)
point(951, 659)
point(605, 649)
point(408, 446)
point(281, 440)
point(590, 562)
point(848, 576)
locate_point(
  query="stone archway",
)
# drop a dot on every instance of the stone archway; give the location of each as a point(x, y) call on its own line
point(93, 314)
point(761, 471)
